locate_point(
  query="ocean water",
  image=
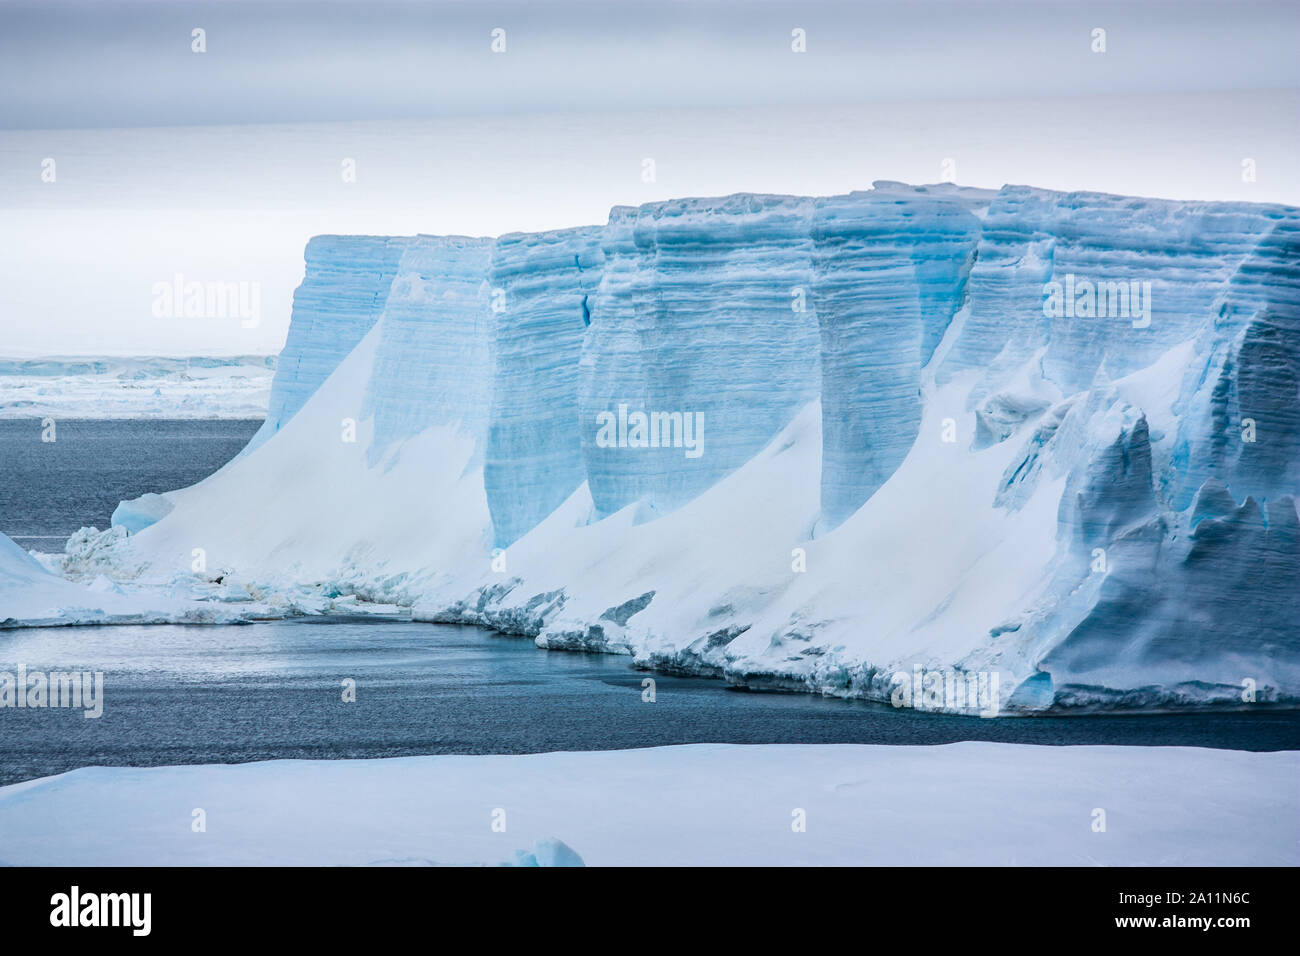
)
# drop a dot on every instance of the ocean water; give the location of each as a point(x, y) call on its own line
point(176, 695)
point(50, 489)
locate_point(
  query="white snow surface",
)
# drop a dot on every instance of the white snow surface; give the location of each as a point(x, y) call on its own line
point(703, 804)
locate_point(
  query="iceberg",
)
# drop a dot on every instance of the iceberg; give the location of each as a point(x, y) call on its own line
point(891, 267)
point(805, 443)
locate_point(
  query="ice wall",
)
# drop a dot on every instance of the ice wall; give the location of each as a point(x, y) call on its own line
point(1179, 553)
point(1240, 418)
point(540, 302)
point(342, 295)
point(889, 271)
point(1180, 255)
point(482, 337)
point(705, 312)
point(433, 362)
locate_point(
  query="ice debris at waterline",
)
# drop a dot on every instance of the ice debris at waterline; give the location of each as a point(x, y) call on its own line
point(30, 595)
point(912, 452)
point(35, 591)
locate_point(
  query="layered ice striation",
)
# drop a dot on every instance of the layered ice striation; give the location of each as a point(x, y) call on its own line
point(481, 338)
point(705, 325)
point(342, 295)
point(808, 443)
point(1135, 276)
point(433, 361)
point(541, 295)
point(889, 272)
point(1245, 383)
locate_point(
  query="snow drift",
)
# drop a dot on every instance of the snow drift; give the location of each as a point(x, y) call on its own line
point(805, 443)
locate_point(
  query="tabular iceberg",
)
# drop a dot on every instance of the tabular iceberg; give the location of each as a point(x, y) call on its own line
point(1051, 436)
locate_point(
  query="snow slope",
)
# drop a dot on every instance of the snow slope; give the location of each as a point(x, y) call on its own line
point(706, 804)
point(908, 456)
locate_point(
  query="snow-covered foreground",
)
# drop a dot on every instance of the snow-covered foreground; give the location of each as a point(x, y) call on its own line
point(706, 804)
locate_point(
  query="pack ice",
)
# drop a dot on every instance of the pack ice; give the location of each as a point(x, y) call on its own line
point(136, 387)
point(807, 443)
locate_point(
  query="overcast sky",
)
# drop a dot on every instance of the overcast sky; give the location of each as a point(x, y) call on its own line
point(106, 63)
point(221, 164)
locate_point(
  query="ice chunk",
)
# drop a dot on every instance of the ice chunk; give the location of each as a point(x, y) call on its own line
point(137, 514)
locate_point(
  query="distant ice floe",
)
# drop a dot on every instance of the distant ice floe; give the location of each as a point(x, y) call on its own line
point(130, 387)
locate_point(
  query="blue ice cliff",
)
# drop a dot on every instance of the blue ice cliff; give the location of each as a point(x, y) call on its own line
point(341, 297)
point(805, 443)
